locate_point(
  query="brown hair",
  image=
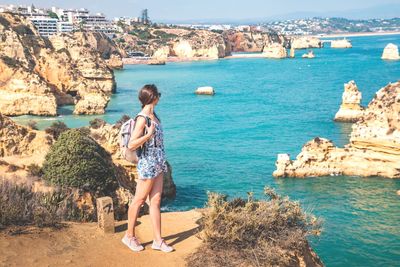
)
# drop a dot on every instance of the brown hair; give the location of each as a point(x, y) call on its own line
point(148, 94)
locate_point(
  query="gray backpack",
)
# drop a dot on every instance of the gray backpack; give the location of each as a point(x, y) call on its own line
point(124, 137)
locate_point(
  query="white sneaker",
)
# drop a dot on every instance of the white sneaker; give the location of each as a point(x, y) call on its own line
point(132, 243)
point(162, 246)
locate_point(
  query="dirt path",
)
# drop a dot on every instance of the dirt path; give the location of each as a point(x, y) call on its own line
point(83, 245)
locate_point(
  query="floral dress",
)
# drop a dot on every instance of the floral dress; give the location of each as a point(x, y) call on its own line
point(152, 160)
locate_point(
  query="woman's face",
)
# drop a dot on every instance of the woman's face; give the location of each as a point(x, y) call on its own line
point(155, 102)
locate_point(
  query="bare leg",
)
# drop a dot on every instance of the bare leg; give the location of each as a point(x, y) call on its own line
point(155, 202)
point(143, 188)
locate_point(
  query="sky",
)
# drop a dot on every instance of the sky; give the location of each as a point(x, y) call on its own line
point(186, 10)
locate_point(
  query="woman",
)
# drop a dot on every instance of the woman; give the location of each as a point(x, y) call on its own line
point(151, 166)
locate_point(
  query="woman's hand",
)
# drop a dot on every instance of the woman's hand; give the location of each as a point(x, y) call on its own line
point(150, 129)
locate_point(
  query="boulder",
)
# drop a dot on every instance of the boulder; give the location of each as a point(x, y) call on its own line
point(205, 90)
point(391, 52)
point(310, 54)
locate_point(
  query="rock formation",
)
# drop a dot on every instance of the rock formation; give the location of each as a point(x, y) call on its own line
point(350, 109)
point(252, 41)
point(391, 52)
point(205, 90)
point(39, 74)
point(310, 54)
point(342, 43)
point(275, 50)
point(305, 42)
point(374, 148)
point(292, 52)
point(20, 140)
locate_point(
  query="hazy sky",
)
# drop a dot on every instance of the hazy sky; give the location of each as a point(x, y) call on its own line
point(207, 9)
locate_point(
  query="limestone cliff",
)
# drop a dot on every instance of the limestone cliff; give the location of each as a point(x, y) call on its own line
point(181, 43)
point(20, 140)
point(391, 52)
point(275, 50)
point(39, 74)
point(252, 41)
point(374, 148)
point(350, 109)
point(305, 42)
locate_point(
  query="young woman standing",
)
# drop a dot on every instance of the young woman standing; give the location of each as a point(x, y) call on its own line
point(151, 166)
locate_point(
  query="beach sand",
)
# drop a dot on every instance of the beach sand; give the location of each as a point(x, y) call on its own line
point(82, 244)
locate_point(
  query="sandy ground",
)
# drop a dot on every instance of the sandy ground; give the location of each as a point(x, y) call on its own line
point(355, 34)
point(82, 244)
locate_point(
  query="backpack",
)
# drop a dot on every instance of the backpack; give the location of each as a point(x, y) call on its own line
point(124, 137)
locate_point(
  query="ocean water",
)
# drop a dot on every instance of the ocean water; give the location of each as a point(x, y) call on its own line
point(228, 142)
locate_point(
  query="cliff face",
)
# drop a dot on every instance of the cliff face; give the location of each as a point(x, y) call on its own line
point(20, 140)
point(252, 41)
point(374, 148)
point(39, 74)
point(275, 50)
point(350, 109)
point(182, 43)
point(305, 42)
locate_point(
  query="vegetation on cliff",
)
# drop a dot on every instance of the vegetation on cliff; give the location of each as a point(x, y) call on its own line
point(77, 160)
point(252, 232)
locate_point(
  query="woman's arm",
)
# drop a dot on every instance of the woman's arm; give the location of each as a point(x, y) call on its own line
point(137, 137)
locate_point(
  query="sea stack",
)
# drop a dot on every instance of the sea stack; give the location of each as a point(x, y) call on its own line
point(205, 90)
point(343, 43)
point(391, 52)
point(373, 149)
point(306, 42)
point(350, 109)
point(274, 50)
point(292, 52)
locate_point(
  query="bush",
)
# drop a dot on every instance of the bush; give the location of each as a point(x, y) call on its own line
point(56, 128)
point(77, 160)
point(253, 233)
point(122, 120)
point(97, 123)
point(35, 170)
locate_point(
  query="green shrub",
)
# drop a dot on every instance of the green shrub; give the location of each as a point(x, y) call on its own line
point(97, 123)
point(56, 128)
point(253, 233)
point(77, 160)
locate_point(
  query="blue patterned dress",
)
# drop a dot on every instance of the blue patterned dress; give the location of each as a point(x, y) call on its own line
point(152, 161)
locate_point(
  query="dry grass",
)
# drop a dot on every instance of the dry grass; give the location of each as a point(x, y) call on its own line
point(253, 233)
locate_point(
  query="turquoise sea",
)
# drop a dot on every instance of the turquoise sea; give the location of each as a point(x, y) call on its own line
point(228, 143)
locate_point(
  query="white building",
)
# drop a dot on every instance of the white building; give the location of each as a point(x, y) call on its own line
point(64, 26)
point(46, 26)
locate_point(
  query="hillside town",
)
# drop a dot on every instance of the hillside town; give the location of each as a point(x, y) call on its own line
point(54, 20)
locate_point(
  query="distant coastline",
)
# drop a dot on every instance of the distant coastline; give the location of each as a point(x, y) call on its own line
point(356, 34)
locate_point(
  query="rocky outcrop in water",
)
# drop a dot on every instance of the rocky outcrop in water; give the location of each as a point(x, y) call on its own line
point(342, 43)
point(310, 54)
point(275, 50)
point(252, 41)
point(374, 148)
point(305, 42)
point(391, 52)
point(181, 43)
point(39, 74)
point(350, 109)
